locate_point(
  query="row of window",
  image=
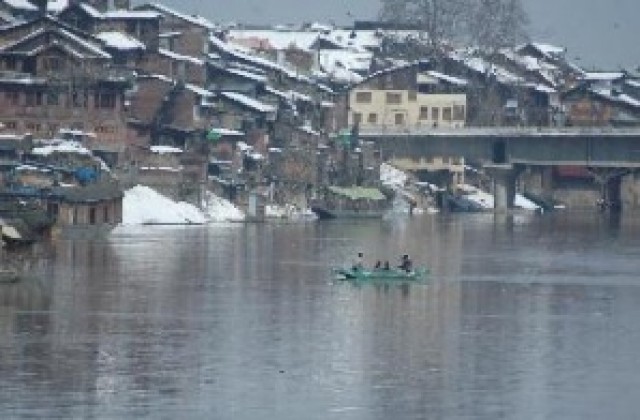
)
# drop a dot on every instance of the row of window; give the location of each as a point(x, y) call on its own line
point(53, 128)
point(392, 98)
point(455, 113)
point(76, 99)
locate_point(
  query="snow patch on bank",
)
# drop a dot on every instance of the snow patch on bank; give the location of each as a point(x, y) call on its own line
point(392, 177)
point(485, 199)
point(144, 206)
point(221, 210)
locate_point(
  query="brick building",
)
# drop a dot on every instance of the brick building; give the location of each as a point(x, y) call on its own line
point(53, 77)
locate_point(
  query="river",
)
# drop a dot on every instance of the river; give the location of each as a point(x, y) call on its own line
point(526, 317)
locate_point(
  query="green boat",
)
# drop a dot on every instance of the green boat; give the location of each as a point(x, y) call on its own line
point(392, 274)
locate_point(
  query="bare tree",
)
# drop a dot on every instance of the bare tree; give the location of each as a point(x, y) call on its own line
point(440, 19)
point(497, 24)
point(489, 24)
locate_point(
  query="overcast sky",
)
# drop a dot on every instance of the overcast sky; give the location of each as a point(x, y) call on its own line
point(597, 33)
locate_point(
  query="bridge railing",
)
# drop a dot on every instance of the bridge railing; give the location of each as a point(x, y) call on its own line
point(421, 130)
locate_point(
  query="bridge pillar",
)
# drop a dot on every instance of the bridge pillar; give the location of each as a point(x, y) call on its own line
point(504, 186)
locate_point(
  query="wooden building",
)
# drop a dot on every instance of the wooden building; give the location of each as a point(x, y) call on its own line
point(54, 77)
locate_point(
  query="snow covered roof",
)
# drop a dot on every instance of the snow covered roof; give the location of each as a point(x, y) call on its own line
point(546, 70)
point(446, 78)
point(56, 6)
point(165, 149)
point(634, 83)
point(620, 98)
point(603, 76)
point(389, 70)
point(61, 147)
point(279, 40)
point(228, 132)
point(290, 95)
point(249, 102)
point(198, 90)
point(546, 50)
point(189, 86)
point(180, 57)
point(21, 5)
point(131, 14)
point(64, 33)
point(194, 19)
point(89, 45)
point(120, 41)
point(480, 65)
point(358, 61)
point(246, 74)
point(90, 10)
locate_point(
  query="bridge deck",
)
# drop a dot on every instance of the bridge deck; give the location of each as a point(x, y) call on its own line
point(594, 147)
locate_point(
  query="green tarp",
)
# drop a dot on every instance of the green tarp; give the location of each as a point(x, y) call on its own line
point(356, 193)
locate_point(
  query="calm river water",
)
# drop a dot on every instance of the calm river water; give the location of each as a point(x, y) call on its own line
point(533, 317)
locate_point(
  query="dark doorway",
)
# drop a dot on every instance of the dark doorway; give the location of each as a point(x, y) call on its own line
point(499, 152)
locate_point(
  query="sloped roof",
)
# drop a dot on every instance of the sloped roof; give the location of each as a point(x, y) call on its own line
point(120, 41)
point(193, 19)
point(21, 5)
point(65, 38)
point(249, 102)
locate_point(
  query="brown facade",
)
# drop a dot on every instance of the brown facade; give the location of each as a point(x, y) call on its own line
point(185, 70)
point(190, 36)
point(106, 212)
point(53, 80)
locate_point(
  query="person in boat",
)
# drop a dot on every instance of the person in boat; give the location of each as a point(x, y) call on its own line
point(358, 264)
point(386, 266)
point(378, 265)
point(405, 263)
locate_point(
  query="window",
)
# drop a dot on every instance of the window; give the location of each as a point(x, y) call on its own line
point(446, 114)
point(53, 98)
point(435, 113)
point(105, 100)
point(33, 127)
point(363, 97)
point(372, 119)
point(52, 128)
point(394, 98)
point(413, 95)
point(424, 113)
point(357, 118)
point(52, 63)
point(79, 99)
point(458, 113)
point(131, 27)
point(34, 99)
point(399, 119)
point(12, 97)
point(11, 63)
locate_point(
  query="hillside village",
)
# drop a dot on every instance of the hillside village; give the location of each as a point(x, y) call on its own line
point(99, 96)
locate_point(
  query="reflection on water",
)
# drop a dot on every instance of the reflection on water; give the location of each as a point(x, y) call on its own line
point(530, 317)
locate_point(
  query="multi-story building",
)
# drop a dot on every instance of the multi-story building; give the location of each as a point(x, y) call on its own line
point(412, 98)
point(53, 77)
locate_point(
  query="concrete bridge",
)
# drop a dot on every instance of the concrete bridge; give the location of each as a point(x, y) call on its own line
point(609, 153)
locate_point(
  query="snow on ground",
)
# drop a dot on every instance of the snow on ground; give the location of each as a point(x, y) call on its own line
point(144, 206)
point(289, 212)
point(392, 177)
point(220, 210)
point(485, 199)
